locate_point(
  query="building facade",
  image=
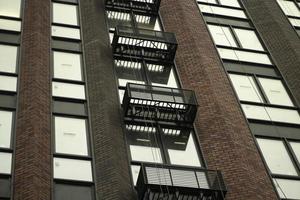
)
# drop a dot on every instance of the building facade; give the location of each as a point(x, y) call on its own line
point(149, 99)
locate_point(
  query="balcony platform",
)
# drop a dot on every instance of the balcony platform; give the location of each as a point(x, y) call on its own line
point(149, 45)
point(164, 104)
point(157, 181)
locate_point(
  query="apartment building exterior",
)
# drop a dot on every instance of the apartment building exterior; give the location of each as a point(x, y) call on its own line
point(149, 99)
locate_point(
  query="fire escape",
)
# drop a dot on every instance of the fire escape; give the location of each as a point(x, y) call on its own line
point(163, 106)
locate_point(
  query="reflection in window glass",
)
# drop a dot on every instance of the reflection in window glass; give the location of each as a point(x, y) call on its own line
point(222, 35)
point(289, 8)
point(8, 58)
point(181, 148)
point(245, 88)
point(70, 136)
point(222, 11)
point(271, 114)
point(296, 149)
point(275, 91)
point(143, 144)
point(135, 170)
point(163, 79)
point(67, 65)
point(68, 90)
point(287, 189)
point(276, 156)
point(148, 22)
point(8, 83)
point(65, 14)
point(129, 72)
point(10, 8)
point(65, 32)
point(248, 39)
point(118, 18)
point(5, 164)
point(244, 56)
point(10, 25)
point(5, 128)
point(72, 169)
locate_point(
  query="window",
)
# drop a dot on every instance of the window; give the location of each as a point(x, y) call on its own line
point(222, 11)
point(10, 8)
point(277, 157)
point(246, 88)
point(5, 164)
point(271, 114)
point(244, 56)
point(70, 136)
point(233, 3)
point(248, 39)
point(296, 149)
point(72, 169)
point(67, 66)
point(5, 188)
point(275, 92)
point(68, 90)
point(8, 58)
point(66, 32)
point(65, 14)
point(10, 25)
point(287, 189)
point(6, 118)
point(222, 35)
point(72, 192)
point(8, 83)
point(163, 81)
point(289, 8)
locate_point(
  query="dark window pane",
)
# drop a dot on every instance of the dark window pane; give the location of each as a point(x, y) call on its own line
point(4, 188)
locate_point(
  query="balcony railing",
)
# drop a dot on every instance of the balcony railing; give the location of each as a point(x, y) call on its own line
point(156, 181)
point(137, 6)
point(159, 103)
point(150, 45)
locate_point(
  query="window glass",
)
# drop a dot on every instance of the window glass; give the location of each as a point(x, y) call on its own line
point(248, 39)
point(245, 88)
point(67, 65)
point(208, 1)
point(66, 32)
point(244, 56)
point(8, 83)
point(5, 188)
point(287, 189)
point(274, 114)
point(295, 22)
point(8, 58)
point(70, 136)
point(10, 25)
point(148, 22)
point(135, 170)
point(222, 11)
point(118, 18)
point(68, 90)
point(233, 3)
point(276, 156)
point(296, 149)
point(72, 169)
point(143, 144)
point(162, 79)
point(275, 91)
point(181, 147)
point(65, 14)
point(10, 8)
point(5, 164)
point(222, 35)
point(5, 128)
point(129, 72)
point(121, 95)
point(289, 8)
point(72, 192)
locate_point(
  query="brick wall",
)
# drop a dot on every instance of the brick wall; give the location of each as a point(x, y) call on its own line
point(280, 37)
point(32, 174)
point(225, 138)
point(112, 171)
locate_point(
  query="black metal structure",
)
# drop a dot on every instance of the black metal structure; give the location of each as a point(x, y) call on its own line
point(159, 103)
point(172, 182)
point(142, 43)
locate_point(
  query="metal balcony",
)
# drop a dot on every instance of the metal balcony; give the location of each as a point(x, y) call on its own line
point(136, 6)
point(154, 46)
point(164, 182)
point(164, 104)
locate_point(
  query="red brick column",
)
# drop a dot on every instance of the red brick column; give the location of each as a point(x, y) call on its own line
point(32, 174)
point(224, 135)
